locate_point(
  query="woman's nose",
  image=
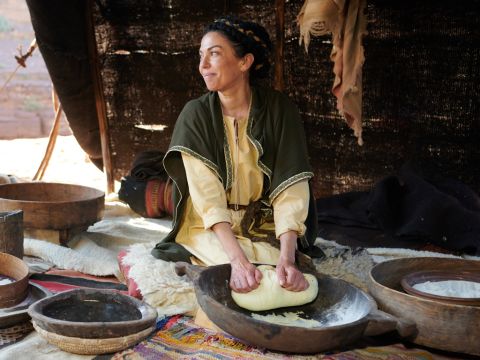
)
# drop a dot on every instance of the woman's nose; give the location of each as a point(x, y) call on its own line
point(204, 62)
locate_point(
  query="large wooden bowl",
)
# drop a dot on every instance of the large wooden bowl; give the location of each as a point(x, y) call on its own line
point(53, 205)
point(14, 292)
point(344, 314)
point(440, 325)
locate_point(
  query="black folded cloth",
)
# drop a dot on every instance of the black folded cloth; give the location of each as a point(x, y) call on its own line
point(148, 165)
point(414, 206)
point(134, 189)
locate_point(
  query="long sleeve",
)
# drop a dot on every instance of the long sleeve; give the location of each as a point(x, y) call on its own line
point(290, 208)
point(206, 191)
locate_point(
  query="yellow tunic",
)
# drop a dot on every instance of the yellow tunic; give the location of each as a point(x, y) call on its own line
point(207, 204)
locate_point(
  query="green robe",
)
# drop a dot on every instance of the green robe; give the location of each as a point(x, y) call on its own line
point(274, 127)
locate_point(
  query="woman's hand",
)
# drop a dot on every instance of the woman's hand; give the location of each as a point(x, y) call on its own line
point(245, 276)
point(288, 275)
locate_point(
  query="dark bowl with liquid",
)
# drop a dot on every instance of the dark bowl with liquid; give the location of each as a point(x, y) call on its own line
point(92, 314)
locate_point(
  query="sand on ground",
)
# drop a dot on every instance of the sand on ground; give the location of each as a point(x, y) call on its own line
point(68, 164)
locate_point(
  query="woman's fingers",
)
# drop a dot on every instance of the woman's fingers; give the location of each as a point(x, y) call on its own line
point(245, 278)
point(291, 278)
point(258, 275)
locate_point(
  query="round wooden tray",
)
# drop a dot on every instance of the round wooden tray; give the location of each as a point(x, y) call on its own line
point(409, 281)
point(53, 205)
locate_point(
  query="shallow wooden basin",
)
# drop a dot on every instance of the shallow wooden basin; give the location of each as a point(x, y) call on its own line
point(53, 205)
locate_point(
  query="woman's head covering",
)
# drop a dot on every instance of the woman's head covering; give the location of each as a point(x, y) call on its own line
point(246, 37)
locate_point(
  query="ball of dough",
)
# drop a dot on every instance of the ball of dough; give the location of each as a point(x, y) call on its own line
point(270, 295)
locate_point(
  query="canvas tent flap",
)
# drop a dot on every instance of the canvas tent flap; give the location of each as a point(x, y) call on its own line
point(60, 30)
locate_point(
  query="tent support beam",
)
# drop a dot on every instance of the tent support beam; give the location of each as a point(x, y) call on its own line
point(100, 101)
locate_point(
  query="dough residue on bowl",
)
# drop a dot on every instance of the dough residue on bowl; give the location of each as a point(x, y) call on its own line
point(288, 319)
point(345, 311)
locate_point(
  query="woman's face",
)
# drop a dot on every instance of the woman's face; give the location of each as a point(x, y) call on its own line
point(220, 67)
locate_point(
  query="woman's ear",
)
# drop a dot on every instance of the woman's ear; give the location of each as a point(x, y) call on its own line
point(247, 62)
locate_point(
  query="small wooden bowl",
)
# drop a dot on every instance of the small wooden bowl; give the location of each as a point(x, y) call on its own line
point(92, 314)
point(409, 281)
point(15, 292)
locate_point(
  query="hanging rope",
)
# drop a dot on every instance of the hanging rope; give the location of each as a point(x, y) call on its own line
point(21, 60)
point(52, 139)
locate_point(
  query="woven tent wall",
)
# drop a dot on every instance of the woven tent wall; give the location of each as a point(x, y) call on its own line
point(421, 84)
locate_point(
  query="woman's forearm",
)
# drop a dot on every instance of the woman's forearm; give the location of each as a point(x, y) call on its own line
point(232, 248)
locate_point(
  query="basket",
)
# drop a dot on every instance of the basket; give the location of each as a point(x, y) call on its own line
point(92, 346)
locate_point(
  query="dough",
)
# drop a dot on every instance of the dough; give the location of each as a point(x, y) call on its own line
point(270, 295)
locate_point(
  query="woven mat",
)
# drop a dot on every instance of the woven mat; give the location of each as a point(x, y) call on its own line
point(178, 337)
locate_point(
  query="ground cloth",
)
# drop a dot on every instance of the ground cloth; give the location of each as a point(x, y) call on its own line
point(177, 337)
point(58, 280)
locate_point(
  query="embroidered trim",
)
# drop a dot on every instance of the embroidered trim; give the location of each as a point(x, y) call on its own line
point(290, 181)
point(259, 149)
point(226, 153)
point(188, 151)
point(175, 212)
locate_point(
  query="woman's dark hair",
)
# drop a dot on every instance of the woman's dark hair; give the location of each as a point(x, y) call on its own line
point(246, 37)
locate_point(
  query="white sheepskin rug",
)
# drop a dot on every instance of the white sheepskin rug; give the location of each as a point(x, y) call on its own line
point(158, 283)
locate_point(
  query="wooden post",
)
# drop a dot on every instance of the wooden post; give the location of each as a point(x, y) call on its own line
point(99, 99)
point(278, 82)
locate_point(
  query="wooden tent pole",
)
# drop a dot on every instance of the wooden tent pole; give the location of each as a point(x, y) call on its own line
point(279, 83)
point(52, 139)
point(99, 99)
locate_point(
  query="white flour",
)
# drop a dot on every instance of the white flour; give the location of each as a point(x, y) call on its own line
point(346, 311)
point(451, 288)
point(5, 281)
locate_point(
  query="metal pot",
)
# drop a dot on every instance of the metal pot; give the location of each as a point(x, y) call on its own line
point(214, 296)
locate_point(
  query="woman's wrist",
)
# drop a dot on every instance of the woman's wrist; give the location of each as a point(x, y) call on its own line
point(288, 245)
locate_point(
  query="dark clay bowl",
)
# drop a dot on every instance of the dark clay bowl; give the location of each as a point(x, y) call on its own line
point(92, 314)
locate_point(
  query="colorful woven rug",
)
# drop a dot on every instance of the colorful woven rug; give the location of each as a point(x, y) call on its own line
point(177, 337)
point(62, 280)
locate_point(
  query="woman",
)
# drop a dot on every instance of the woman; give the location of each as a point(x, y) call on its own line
point(238, 156)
